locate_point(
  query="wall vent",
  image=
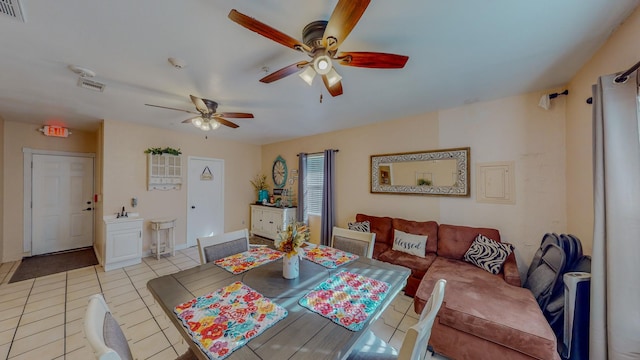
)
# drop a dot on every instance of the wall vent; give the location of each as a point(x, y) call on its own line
point(12, 8)
point(91, 84)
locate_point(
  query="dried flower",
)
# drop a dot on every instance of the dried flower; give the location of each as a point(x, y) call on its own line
point(290, 240)
point(259, 182)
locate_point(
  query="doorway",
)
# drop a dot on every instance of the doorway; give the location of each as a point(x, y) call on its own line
point(60, 192)
point(205, 198)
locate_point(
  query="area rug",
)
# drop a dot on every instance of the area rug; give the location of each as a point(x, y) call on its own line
point(42, 265)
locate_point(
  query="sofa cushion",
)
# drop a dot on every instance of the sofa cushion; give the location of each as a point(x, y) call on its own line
point(409, 243)
point(379, 248)
point(455, 240)
point(484, 305)
point(379, 225)
point(418, 265)
point(429, 228)
point(364, 226)
point(487, 254)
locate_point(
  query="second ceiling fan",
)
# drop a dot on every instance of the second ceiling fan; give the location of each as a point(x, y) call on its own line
point(320, 41)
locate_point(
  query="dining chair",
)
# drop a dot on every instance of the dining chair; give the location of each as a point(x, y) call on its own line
point(212, 248)
point(355, 242)
point(414, 345)
point(105, 335)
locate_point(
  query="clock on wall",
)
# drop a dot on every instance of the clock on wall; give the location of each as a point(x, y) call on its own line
point(279, 172)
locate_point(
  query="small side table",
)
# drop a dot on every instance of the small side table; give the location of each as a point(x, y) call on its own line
point(169, 246)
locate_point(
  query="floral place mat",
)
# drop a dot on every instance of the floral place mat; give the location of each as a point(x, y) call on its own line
point(346, 298)
point(247, 260)
point(226, 319)
point(327, 256)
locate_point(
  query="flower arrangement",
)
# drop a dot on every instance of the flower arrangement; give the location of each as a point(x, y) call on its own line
point(291, 239)
point(259, 182)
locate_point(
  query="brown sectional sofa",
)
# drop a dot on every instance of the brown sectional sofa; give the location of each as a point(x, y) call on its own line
point(483, 316)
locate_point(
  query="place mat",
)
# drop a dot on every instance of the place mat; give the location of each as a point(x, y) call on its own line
point(346, 298)
point(247, 260)
point(226, 319)
point(327, 256)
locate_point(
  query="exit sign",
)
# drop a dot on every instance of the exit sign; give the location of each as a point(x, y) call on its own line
point(57, 131)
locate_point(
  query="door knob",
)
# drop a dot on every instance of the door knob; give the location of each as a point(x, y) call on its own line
point(87, 209)
point(193, 207)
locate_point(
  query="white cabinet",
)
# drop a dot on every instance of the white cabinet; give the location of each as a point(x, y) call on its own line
point(268, 221)
point(164, 172)
point(123, 242)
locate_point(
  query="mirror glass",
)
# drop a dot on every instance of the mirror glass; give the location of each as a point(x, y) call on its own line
point(433, 172)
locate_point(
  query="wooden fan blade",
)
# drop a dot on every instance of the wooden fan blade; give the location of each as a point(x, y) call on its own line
point(343, 19)
point(334, 90)
point(226, 122)
point(284, 72)
point(234, 115)
point(372, 60)
point(200, 105)
point(267, 31)
point(170, 108)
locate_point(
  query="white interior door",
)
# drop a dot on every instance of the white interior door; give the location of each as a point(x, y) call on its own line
point(62, 206)
point(205, 198)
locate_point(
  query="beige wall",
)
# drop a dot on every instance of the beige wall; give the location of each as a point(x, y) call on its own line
point(353, 165)
point(16, 137)
point(510, 129)
point(125, 172)
point(620, 52)
point(2, 190)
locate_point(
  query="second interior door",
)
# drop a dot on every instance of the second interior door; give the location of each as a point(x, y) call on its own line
point(205, 198)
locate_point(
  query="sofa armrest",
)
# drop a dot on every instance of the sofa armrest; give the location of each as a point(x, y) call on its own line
point(510, 271)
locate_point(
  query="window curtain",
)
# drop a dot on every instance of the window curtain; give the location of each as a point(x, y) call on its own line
point(615, 292)
point(301, 211)
point(328, 203)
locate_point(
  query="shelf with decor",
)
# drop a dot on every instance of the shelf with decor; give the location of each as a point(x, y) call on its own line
point(165, 172)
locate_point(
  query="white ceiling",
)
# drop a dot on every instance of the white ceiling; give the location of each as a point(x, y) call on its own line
point(460, 51)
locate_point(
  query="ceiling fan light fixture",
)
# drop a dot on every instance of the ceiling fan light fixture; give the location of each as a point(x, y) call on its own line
point(214, 124)
point(205, 126)
point(307, 75)
point(322, 64)
point(333, 77)
point(197, 122)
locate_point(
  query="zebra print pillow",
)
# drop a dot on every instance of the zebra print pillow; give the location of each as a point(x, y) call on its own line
point(488, 254)
point(364, 226)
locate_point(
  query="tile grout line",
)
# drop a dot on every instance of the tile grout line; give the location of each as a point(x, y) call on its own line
point(26, 300)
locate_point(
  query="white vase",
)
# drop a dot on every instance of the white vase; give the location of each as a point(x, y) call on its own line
point(291, 266)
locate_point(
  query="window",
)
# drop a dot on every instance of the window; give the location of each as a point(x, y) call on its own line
point(315, 175)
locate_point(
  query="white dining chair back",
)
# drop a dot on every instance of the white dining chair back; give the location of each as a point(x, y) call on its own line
point(103, 332)
point(355, 242)
point(212, 248)
point(414, 345)
point(416, 340)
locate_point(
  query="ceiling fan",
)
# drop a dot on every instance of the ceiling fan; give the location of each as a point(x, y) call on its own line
point(320, 41)
point(208, 118)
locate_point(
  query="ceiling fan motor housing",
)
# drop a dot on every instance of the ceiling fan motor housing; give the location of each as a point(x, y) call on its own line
point(312, 34)
point(211, 105)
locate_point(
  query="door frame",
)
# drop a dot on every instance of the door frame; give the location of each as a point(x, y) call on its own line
point(28, 190)
point(187, 207)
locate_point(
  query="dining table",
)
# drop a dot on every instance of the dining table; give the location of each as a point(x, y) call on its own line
point(302, 334)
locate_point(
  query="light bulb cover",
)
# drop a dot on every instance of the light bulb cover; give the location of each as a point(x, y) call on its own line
point(307, 75)
point(197, 122)
point(322, 64)
point(205, 126)
point(214, 124)
point(333, 77)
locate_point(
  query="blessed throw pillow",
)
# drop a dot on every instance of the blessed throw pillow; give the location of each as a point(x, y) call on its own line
point(364, 226)
point(409, 243)
point(488, 254)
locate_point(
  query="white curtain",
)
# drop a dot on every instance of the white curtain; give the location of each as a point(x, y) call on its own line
point(615, 284)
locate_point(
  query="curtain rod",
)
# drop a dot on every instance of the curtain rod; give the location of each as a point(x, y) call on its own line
point(317, 153)
point(622, 78)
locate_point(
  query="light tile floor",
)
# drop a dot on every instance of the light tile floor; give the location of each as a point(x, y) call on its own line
point(42, 318)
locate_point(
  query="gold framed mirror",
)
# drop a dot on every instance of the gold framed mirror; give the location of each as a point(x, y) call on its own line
point(434, 172)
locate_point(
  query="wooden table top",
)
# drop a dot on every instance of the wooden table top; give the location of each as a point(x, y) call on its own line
point(303, 334)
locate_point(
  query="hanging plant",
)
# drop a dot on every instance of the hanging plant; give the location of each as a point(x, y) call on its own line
point(160, 151)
